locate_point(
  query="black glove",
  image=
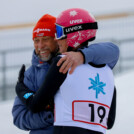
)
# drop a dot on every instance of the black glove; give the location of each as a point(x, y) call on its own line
point(21, 74)
point(20, 85)
point(20, 88)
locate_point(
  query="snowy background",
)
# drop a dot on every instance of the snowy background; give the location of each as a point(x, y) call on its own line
point(14, 12)
point(21, 11)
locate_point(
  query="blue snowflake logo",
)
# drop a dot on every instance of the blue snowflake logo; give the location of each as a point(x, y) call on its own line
point(97, 85)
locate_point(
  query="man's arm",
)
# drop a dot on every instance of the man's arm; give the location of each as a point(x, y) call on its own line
point(24, 119)
point(48, 89)
point(102, 53)
point(99, 53)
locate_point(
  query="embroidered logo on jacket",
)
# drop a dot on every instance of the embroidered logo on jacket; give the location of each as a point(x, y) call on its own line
point(27, 95)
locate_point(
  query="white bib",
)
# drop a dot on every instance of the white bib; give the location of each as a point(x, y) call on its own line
point(84, 98)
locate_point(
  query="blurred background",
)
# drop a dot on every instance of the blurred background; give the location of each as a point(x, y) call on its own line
point(116, 24)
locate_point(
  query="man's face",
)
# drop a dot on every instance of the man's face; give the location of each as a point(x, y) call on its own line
point(45, 46)
point(62, 45)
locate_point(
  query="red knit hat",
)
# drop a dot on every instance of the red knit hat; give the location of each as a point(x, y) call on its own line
point(45, 26)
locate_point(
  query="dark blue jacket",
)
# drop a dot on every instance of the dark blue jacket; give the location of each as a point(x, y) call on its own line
point(42, 122)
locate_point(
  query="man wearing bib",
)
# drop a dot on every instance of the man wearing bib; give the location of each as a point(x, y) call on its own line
point(85, 101)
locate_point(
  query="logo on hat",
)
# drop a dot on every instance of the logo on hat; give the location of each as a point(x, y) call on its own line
point(39, 30)
point(73, 13)
point(40, 34)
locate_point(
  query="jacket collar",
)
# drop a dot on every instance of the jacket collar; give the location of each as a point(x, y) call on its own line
point(36, 61)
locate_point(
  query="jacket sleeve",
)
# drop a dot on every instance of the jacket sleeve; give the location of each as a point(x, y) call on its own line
point(112, 112)
point(26, 120)
point(101, 53)
point(52, 82)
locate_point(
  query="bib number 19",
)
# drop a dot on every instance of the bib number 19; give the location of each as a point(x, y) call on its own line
point(101, 111)
point(90, 112)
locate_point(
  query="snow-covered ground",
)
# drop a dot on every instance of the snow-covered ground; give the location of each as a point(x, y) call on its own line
point(124, 117)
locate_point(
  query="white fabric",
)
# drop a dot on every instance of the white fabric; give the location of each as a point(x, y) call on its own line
point(76, 103)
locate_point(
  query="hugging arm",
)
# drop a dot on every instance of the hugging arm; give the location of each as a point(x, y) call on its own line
point(101, 53)
point(98, 53)
point(23, 118)
point(52, 82)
